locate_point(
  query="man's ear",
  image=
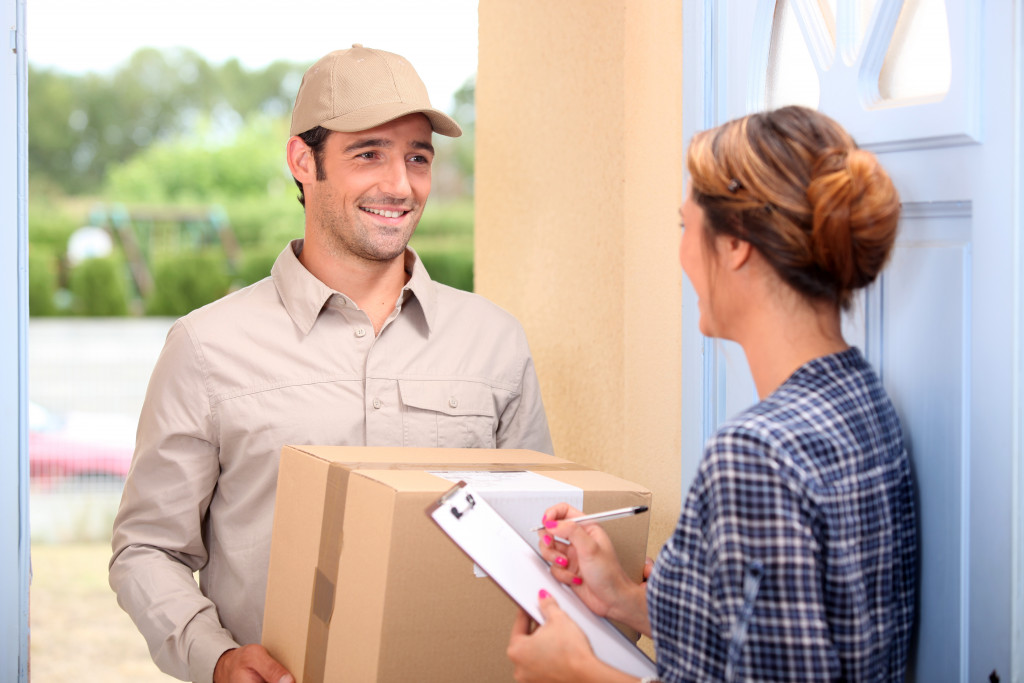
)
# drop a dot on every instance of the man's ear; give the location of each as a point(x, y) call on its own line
point(300, 160)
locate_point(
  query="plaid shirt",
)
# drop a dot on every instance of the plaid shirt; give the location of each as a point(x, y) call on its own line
point(795, 555)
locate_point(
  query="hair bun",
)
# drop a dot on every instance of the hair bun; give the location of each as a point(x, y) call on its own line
point(822, 212)
point(855, 210)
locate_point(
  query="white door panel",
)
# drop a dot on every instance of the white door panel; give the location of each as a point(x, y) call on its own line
point(940, 323)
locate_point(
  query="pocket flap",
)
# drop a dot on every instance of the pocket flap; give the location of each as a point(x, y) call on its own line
point(450, 397)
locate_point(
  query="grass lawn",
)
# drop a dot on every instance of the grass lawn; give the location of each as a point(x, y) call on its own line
point(77, 630)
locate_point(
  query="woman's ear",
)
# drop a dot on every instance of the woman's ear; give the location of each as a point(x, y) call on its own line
point(736, 252)
point(300, 160)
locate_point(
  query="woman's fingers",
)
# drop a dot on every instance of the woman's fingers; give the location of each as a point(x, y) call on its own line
point(559, 511)
point(522, 624)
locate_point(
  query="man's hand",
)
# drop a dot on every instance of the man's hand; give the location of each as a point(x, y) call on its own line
point(250, 664)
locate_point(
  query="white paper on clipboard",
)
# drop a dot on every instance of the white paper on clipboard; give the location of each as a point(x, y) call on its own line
point(520, 571)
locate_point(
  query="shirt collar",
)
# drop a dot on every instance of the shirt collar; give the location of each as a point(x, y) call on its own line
point(304, 296)
point(420, 286)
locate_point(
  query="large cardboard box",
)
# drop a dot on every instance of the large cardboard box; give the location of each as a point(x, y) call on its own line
point(364, 587)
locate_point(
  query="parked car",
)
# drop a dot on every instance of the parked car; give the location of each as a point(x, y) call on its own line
point(78, 448)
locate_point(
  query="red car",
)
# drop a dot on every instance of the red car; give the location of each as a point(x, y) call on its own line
point(79, 448)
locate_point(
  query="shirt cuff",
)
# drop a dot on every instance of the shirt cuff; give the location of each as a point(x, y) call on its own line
point(205, 653)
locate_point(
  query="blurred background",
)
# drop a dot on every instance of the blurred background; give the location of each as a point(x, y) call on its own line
point(157, 184)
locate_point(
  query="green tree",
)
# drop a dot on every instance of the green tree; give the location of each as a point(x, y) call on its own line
point(197, 168)
point(82, 124)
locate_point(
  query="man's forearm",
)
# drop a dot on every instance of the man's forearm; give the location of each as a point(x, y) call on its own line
point(179, 623)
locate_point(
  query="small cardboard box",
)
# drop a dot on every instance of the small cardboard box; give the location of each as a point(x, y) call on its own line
point(363, 586)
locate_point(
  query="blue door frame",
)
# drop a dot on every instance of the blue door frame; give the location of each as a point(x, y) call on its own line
point(14, 527)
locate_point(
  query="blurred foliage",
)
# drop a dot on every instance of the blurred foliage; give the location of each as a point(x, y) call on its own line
point(465, 114)
point(257, 262)
point(98, 287)
point(452, 266)
point(202, 146)
point(444, 242)
point(51, 224)
point(81, 125)
point(200, 169)
point(186, 280)
point(42, 281)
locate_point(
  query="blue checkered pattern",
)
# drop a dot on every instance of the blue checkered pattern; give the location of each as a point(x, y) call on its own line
point(795, 555)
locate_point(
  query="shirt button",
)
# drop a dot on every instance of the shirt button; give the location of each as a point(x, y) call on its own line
point(453, 402)
point(360, 332)
point(377, 403)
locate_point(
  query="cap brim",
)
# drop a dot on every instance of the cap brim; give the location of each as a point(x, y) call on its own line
point(378, 114)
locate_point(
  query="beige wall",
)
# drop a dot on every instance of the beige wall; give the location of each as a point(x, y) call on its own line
point(578, 177)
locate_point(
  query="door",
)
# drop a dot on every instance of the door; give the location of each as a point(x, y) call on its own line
point(933, 88)
point(14, 537)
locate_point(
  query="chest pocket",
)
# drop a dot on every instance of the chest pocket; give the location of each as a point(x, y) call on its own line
point(447, 414)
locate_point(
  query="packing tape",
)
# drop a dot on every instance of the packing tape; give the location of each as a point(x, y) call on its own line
point(326, 572)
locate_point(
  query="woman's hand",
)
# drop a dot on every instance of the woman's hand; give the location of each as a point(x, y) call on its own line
point(589, 564)
point(555, 652)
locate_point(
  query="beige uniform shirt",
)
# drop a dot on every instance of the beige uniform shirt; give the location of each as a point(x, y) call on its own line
point(289, 361)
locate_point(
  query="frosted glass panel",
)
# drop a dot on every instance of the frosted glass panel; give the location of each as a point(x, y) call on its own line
point(853, 18)
point(792, 78)
point(918, 65)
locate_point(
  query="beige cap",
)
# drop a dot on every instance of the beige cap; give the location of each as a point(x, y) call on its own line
point(358, 89)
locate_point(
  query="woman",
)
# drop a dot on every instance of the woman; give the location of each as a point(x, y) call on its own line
point(795, 555)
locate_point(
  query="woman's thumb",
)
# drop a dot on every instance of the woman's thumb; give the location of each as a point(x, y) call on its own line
point(548, 605)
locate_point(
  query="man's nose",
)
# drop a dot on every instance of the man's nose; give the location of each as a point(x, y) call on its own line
point(395, 181)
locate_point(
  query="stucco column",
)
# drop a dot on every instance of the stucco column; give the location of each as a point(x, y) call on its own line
point(579, 172)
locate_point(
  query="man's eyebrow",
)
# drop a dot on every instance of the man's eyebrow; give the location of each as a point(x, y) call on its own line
point(423, 145)
point(368, 143)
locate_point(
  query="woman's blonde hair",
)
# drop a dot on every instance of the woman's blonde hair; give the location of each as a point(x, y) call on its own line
point(795, 185)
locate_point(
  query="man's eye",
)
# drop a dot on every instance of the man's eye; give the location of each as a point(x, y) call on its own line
point(368, 155)
point(419, 159)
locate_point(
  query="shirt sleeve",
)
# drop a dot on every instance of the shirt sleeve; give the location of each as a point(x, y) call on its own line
point(741, 586)
point(765, 561)
point(523, 423)
point(158, 531)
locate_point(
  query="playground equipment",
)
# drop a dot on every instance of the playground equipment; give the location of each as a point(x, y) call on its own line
point(141, 232)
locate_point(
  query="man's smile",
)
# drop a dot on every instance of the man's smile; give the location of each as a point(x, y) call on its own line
point(386, 213)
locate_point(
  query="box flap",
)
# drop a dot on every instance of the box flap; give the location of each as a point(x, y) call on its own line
point(368, 457)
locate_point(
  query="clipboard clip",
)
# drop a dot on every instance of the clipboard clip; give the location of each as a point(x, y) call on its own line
point(449, 495)
point(470, 504)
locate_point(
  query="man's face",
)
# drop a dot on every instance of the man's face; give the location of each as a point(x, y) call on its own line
point(376, 185)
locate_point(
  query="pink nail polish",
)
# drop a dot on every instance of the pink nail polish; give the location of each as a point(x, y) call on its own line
point(543, 594)
point(561, 561)
point(551, 523)
point(577, 580)
point(547, 541)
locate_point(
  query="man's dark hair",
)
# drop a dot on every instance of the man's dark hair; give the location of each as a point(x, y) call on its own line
point(315, 139)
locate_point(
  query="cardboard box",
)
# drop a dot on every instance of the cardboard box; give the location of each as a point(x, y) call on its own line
point(363, 586)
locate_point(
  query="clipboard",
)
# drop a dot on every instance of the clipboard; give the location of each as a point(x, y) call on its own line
point(520, 571)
